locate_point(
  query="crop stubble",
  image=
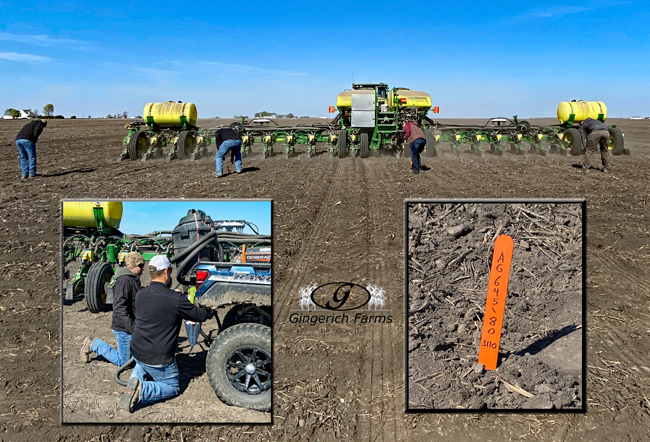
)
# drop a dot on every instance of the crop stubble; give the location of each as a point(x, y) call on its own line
point(327, 385)
point(540, 357)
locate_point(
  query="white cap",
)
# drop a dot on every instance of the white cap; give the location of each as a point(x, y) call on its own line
point(160, 262)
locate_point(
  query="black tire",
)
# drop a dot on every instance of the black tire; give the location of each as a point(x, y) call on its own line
point(343, 143)
point(616, 141)
point(98, 275)
point(574, 139)
point(236, 349)
point(186, 144)
point(138, 145)
point(523, 126)
point(364, 149)
point(430, 148)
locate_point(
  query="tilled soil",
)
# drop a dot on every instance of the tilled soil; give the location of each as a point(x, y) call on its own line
point(449, 261)
point(334, 220)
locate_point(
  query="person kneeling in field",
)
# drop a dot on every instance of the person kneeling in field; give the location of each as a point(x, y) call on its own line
point(127, 284)
point(159, 315)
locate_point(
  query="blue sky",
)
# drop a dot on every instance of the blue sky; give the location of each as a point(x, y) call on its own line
point(476, 59)
point(141, 217)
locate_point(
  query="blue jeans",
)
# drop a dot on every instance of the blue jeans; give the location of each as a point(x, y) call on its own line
point(416, 149)
point(164, 383)
point(225, 147)
point(119, 357)
point(27, 150)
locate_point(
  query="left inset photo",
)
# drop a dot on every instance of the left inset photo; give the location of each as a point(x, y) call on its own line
point(166, 311)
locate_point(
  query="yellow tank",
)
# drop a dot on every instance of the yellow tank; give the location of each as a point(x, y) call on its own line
point(169, 114)
point(581, 109)
point(344, 99)
point(420, 100)
point(80, 214)
point(417, 99)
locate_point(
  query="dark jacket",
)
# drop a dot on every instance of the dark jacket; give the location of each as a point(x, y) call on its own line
point(412, 132)
point(159, 315)
point(590, 125)
point(126, 286)
point(225, 134)
point(31, 131)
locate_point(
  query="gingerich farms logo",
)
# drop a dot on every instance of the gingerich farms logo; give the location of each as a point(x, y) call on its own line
point(337, 303)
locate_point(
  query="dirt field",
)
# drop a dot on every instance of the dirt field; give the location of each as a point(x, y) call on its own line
point(449, 262)
point(334, 220)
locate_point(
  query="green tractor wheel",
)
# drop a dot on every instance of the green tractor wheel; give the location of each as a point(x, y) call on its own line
point(616, 141)
point(573, 139)
point(364, 149)
point(186, 144)
point(343, 143)
point(99, 275)
point(138, 145)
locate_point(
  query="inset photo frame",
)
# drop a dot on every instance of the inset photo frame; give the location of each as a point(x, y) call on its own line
point(495, 305)
point(166, 311)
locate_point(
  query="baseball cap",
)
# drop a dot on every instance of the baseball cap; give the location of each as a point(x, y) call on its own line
point(160, 262)
point(133, 259)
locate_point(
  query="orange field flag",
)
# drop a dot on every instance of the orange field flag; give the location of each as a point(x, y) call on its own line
point(495, 304)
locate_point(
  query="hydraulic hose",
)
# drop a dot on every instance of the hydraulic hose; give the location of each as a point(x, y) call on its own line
point(160, 232)
point(208, 341)
point(180, 267)
point(116, 376)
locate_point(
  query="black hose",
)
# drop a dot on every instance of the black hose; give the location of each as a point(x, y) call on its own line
point(119, 371)
point(180, 267)
point(74, 238)
point(254, 229)
point(208, 341)
point(160, 232)
point(243, 238)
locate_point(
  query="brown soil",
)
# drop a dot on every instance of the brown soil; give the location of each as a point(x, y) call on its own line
point(449, 261)
point(334, 220)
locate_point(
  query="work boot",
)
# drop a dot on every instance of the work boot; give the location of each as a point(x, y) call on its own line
point(605, 169)
point(85, 349)
point(132, 395)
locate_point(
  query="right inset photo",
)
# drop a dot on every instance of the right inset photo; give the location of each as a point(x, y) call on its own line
point(495, 305)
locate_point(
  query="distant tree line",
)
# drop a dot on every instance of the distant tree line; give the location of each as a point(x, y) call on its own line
point(122, 115)
point(269, 114)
